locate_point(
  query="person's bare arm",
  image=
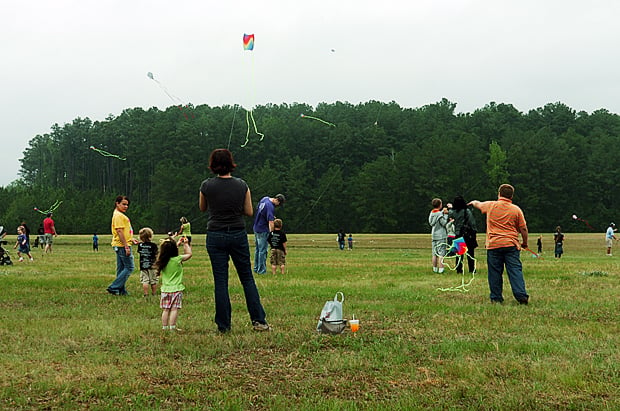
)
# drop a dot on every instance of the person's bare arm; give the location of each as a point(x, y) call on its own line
point(247, 204)
point(202, 202)
point(524, 236)
point(125, 241)
point(474, 203)
point(187, 249)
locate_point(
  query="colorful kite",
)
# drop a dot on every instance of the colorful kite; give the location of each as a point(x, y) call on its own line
point(458, 251)
point(248, 42)
point(106, 154)
point(49, 210)
point(318, 119)
point(459, 247)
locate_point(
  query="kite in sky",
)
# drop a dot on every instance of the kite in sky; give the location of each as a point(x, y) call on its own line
point(49, 210)
point(318, 119)
point(106, 154)
point(177, 101)
point(248, 45)
point(248, 42)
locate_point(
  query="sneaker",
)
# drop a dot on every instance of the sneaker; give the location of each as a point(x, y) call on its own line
point(21, 259)
point(435, 269)
point(261, 327)
point(524, 301)
point(31, 259)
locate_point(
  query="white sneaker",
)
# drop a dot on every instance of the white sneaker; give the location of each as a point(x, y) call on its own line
point(21, 259)
point(31, 259)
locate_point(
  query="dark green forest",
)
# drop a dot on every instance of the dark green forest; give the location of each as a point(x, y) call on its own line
point(375, 171)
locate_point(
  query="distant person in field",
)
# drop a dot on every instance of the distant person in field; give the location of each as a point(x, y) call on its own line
point(169, 266)
point(505, 221)
point(147, 252)
point(227, 199)
point(26, 231)
point(350, 240)
point(450, 227)
point(122, 238)
point(539, 244)
point(277, 240)
point(437, 219)
point(263, 225)
point(558, 239)
point(49, 231)
point(610, 237)
point(185, 230)
point(22, 245)
point(340, 238)
point(95, 242)
point(41, 236)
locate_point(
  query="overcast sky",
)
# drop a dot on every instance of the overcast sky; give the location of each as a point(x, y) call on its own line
point(65, 59)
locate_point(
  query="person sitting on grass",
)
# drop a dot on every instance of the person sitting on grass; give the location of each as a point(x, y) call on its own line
point(169, 266)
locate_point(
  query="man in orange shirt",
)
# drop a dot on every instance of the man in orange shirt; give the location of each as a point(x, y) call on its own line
point(505, 221)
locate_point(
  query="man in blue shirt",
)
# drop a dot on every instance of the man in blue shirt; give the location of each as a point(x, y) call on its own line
point(610, 237)
point(263, 225)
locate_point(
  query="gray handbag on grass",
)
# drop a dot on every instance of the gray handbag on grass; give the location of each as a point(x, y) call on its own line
point(331, 321)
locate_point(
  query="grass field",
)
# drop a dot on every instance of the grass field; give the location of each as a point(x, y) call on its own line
point(67, 344)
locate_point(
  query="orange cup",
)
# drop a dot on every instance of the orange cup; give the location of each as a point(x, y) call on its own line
point(355, 325)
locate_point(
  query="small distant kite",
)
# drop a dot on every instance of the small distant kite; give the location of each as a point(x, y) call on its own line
point(49, 210)
point(248, 42)
point(318, 119)
point(585, 221)
point(177, 101)
point(106, 154)
point(248, 45)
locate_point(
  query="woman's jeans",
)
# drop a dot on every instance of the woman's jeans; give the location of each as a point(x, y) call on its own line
point(510, 257)
point(124, 268)
point(260, 255)
point(223, 246)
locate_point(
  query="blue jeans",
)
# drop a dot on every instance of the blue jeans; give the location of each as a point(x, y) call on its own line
point(124, 267)
point(510, 257)
point(260, 255)
point(223, 246)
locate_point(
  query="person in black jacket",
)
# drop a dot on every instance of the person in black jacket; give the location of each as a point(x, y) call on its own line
point(465, 226)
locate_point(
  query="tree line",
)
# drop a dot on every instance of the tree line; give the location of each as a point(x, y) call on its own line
point(375, 171)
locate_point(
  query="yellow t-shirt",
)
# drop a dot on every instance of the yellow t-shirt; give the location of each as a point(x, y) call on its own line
point(120, 220)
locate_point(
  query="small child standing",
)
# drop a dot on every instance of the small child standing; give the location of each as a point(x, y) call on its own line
point(95, 242)
point(451, 231)
point(438, 218)
point(22, 243)
point(147, 250)
point(277, 240)
point(350, 240)
point(169, 266)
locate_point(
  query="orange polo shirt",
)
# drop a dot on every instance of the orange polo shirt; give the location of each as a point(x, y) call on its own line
point(504, 223)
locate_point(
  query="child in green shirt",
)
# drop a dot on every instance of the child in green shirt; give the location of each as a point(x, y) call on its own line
point(169, 266)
